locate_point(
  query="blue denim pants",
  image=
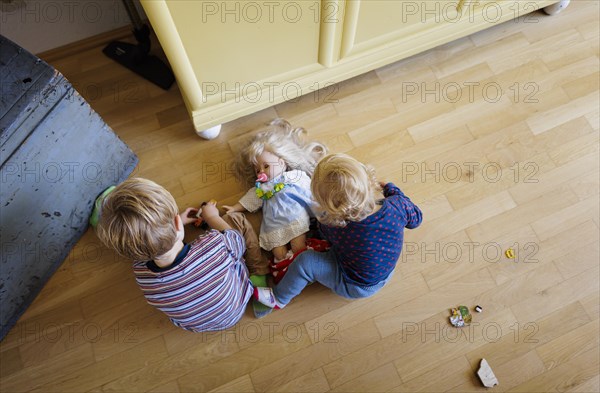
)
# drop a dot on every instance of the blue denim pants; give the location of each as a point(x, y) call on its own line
point(322, 267)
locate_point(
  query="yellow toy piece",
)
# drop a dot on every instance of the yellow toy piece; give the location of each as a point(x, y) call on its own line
point(510, 253)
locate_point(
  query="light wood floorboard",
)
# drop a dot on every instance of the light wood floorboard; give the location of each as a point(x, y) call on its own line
point(519, 170)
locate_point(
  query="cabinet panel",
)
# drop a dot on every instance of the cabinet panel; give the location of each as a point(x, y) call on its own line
point(489, 5)
point(493, 11)
point(237, 46)
point(369, 23)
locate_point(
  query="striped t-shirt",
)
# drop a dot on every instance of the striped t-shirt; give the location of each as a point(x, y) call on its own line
point(206, 288)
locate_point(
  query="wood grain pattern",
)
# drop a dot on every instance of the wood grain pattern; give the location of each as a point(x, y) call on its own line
point(539, 194)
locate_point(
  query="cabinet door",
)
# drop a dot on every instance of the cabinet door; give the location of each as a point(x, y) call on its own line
point(471, 5)
point(494, 11)
point(369, 24)
point(245, 50)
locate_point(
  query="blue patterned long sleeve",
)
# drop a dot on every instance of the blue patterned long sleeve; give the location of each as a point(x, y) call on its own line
point(414, 216)
point(368, 250)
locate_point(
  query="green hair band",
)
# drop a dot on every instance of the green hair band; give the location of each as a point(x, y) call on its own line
point(95, 217)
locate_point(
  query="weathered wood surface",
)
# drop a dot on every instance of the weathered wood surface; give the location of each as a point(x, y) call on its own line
point(56, 156)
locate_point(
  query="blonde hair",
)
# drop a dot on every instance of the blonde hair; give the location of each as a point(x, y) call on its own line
point(284, 141)
point(345, 189)
point(138, 220)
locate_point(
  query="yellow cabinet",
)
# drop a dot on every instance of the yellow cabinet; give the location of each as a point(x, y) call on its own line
point(235, 57)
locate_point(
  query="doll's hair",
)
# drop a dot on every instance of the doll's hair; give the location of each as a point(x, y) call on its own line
point(344, 189)
point(284, 141)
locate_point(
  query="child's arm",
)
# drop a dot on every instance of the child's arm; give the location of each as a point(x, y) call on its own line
point(390, 189)
point(249, 202)
point(188, 216)
point(414, 216)
point(210, 214)
point(233, 238)
point(235, 208)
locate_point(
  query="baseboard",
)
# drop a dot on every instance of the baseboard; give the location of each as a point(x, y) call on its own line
point(85, 44)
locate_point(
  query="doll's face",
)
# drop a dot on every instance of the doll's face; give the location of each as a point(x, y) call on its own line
point(269, 164)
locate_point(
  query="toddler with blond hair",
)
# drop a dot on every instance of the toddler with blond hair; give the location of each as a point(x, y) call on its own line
point(202, 285)
point(366, 233)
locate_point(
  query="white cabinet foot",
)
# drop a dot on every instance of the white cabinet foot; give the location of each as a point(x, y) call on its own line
point(210, 133)
point(557, 7)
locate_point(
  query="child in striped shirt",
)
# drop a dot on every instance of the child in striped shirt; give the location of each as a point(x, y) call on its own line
point(203, 285)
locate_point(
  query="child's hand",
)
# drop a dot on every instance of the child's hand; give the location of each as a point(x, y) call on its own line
point(382, 184)
point(209, 210)
point(229, 209)
point(188, 216)
point(235, 208)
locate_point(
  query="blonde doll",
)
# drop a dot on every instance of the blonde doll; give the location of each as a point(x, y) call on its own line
point(278, 164)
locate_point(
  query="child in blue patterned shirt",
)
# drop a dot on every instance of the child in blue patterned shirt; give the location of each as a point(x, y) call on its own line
point(366, 234)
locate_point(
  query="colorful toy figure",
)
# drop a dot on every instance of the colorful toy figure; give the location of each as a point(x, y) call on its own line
point(460, 316)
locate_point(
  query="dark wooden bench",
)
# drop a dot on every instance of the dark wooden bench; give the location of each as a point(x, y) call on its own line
point(56, 156)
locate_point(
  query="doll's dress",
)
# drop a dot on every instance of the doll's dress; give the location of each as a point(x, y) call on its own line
point(287, 213)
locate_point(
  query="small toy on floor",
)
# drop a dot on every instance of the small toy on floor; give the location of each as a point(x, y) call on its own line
point(486, 375)
point(510, 253)
point(199, 221)
point(460, 316)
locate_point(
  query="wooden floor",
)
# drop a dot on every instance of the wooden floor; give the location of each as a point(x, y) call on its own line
point(501, 152)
